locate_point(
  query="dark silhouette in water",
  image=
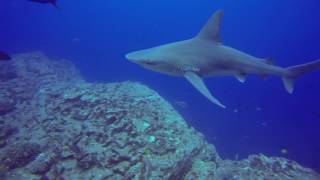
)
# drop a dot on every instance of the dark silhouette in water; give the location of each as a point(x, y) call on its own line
point(4, 56)
point(53, 2)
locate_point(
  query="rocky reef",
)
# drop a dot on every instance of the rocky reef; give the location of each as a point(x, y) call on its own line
point(55, 125)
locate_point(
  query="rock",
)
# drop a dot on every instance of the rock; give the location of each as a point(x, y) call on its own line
point(42, 163)
point(134, 171)
point(81, 115)
point(7, 71)
point(6, 131)
point(67, 153)
point(18, 155)
point(36, 65)
point(7, 104)
point(87, 161)
point(201, 170)
point(263, 167)
point(112, 137)
point(3, 143)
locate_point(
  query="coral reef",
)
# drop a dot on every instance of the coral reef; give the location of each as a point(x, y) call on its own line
point(57, 126)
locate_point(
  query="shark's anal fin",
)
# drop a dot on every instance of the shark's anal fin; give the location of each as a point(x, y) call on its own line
point(198, 83)
point(241, 77)
point(211, 31)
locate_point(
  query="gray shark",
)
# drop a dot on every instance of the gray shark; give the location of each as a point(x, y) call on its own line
point(205, 56)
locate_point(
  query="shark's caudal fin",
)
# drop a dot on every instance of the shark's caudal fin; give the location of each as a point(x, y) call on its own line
point(296, 71)
point(211, 31)
point(198, 83)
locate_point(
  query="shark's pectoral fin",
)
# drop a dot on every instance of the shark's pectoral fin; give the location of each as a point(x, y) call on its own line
point(241, 77)
point(198, 83)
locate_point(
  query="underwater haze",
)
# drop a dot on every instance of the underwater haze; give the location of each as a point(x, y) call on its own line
point(261, 117)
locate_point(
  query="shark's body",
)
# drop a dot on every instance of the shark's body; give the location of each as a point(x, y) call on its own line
point(213, 59)
point(205, 56)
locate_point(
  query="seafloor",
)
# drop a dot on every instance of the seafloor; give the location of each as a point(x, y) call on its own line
point(54, 125)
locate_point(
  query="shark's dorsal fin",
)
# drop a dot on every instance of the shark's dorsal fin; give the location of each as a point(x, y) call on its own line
point(211, 31)
point(198, 83)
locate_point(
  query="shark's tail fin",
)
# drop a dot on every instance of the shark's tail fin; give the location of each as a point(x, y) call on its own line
point(295, 72)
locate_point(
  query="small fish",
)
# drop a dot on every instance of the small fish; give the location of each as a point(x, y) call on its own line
point(181, 104)
point(264, 124)
point(284, 151)
point(246, 137)
point(236, 157)
point(53, 2)
point(76, 40)
point(4, 56)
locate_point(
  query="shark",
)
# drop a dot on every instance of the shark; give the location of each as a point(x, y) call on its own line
point(205, 56)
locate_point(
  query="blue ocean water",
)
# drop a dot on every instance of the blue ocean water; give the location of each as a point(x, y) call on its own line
point(261, 117)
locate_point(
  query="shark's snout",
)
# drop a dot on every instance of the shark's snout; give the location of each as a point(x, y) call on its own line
point(133, 57)
point(129, 56)
point(138, 57)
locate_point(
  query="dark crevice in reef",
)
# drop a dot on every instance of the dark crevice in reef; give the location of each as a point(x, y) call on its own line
point(54, 125)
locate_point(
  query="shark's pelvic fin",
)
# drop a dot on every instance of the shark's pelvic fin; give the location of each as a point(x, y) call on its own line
point(241, 77)
point(198, 83)
point(211, 30)
point(288, 84)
